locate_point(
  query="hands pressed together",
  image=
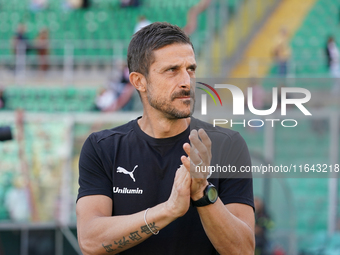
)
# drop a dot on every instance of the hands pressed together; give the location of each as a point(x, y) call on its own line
point(188, 182)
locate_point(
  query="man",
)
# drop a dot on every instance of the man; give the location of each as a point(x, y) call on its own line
point(282, 51)
point(136, 190)
point(2, 98)
point(20, 41)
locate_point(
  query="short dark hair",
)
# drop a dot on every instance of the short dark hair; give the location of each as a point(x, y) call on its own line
point(152, 37)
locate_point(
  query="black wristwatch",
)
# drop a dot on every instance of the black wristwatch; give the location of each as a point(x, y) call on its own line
point(210, 196)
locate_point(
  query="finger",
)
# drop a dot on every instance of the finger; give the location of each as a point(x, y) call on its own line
point(189, 165)
point(205, 139)
point(199, 148)
point(186, 162)
point(186, 181)
point(183, 173)
point(187, 148)
point(194, 139)
point(192, 154)
point(195, 171)
point(180, 175)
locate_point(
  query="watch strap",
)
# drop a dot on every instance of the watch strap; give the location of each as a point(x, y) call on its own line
point(203, 201)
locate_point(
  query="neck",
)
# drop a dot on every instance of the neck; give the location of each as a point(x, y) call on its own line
point(162, 127)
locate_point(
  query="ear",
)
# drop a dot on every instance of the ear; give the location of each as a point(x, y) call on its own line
point(138, 81)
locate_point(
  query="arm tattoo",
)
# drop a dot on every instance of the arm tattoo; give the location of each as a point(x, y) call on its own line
point(122, 242)
point(146, 230)
point(108, 248)
point(134, 236)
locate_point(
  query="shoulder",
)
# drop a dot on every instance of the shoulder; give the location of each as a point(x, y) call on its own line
point(114, 133)
point(215, 132)
point(100, 146)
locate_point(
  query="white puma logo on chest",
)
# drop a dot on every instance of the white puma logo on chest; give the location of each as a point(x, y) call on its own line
point(124, 171)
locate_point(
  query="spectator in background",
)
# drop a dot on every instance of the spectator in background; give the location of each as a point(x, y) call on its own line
point(72, 4)
point(332, 54)
point(18, 192)
point(86, 4)
point(104, 99)
point(38, 5)
point(20, 41)
point(142, 22)
point(193, 14)
point(282, 51)
point(2, 99)
point(262, 224)
point(42, 47)
point(128, 3)
point(117, 96)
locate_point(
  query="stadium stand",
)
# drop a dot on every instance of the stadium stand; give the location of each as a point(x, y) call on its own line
point(44, 149)
point(310, 195)
point(307, 142)
point(288, 150)
point(309, 42)
point(309, 208)
point(105, 20)
point(91, 32)
point(50, 99)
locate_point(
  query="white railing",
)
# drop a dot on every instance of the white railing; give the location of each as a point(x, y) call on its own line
point(311, 67)
point(66, 60)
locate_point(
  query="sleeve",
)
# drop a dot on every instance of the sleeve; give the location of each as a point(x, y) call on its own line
point(239, 189)
point(93, 179)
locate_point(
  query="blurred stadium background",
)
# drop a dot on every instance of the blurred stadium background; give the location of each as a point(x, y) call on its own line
point(50, 104)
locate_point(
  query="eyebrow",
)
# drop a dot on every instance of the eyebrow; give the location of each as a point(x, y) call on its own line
point(171, 66)
point(193, 66)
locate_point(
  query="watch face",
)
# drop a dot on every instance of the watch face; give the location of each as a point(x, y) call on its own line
point(212, 194)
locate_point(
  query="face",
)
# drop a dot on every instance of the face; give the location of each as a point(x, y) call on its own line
point(168, 84)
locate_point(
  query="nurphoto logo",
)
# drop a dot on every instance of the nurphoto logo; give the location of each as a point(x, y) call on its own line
point(238, 106)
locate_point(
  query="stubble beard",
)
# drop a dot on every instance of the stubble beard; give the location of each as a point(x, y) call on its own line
point(165, 106)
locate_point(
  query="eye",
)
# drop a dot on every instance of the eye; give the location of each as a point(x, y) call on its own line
point(192, 69)
point(171, 69)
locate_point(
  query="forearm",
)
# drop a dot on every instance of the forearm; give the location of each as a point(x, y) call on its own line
point(111, 235)
point(227, 233)
point(99, 233)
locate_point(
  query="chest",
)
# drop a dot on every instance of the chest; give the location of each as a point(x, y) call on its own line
point(143, 175)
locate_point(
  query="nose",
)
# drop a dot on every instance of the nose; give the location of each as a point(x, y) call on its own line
point(185, 80)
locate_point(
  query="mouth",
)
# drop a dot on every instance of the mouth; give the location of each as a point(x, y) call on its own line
point(184, 97)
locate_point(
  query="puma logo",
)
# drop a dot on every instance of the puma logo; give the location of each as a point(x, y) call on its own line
point(124, 171)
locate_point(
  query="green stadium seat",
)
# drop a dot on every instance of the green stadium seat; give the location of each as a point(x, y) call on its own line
point(102, 21)
point(321, 21)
